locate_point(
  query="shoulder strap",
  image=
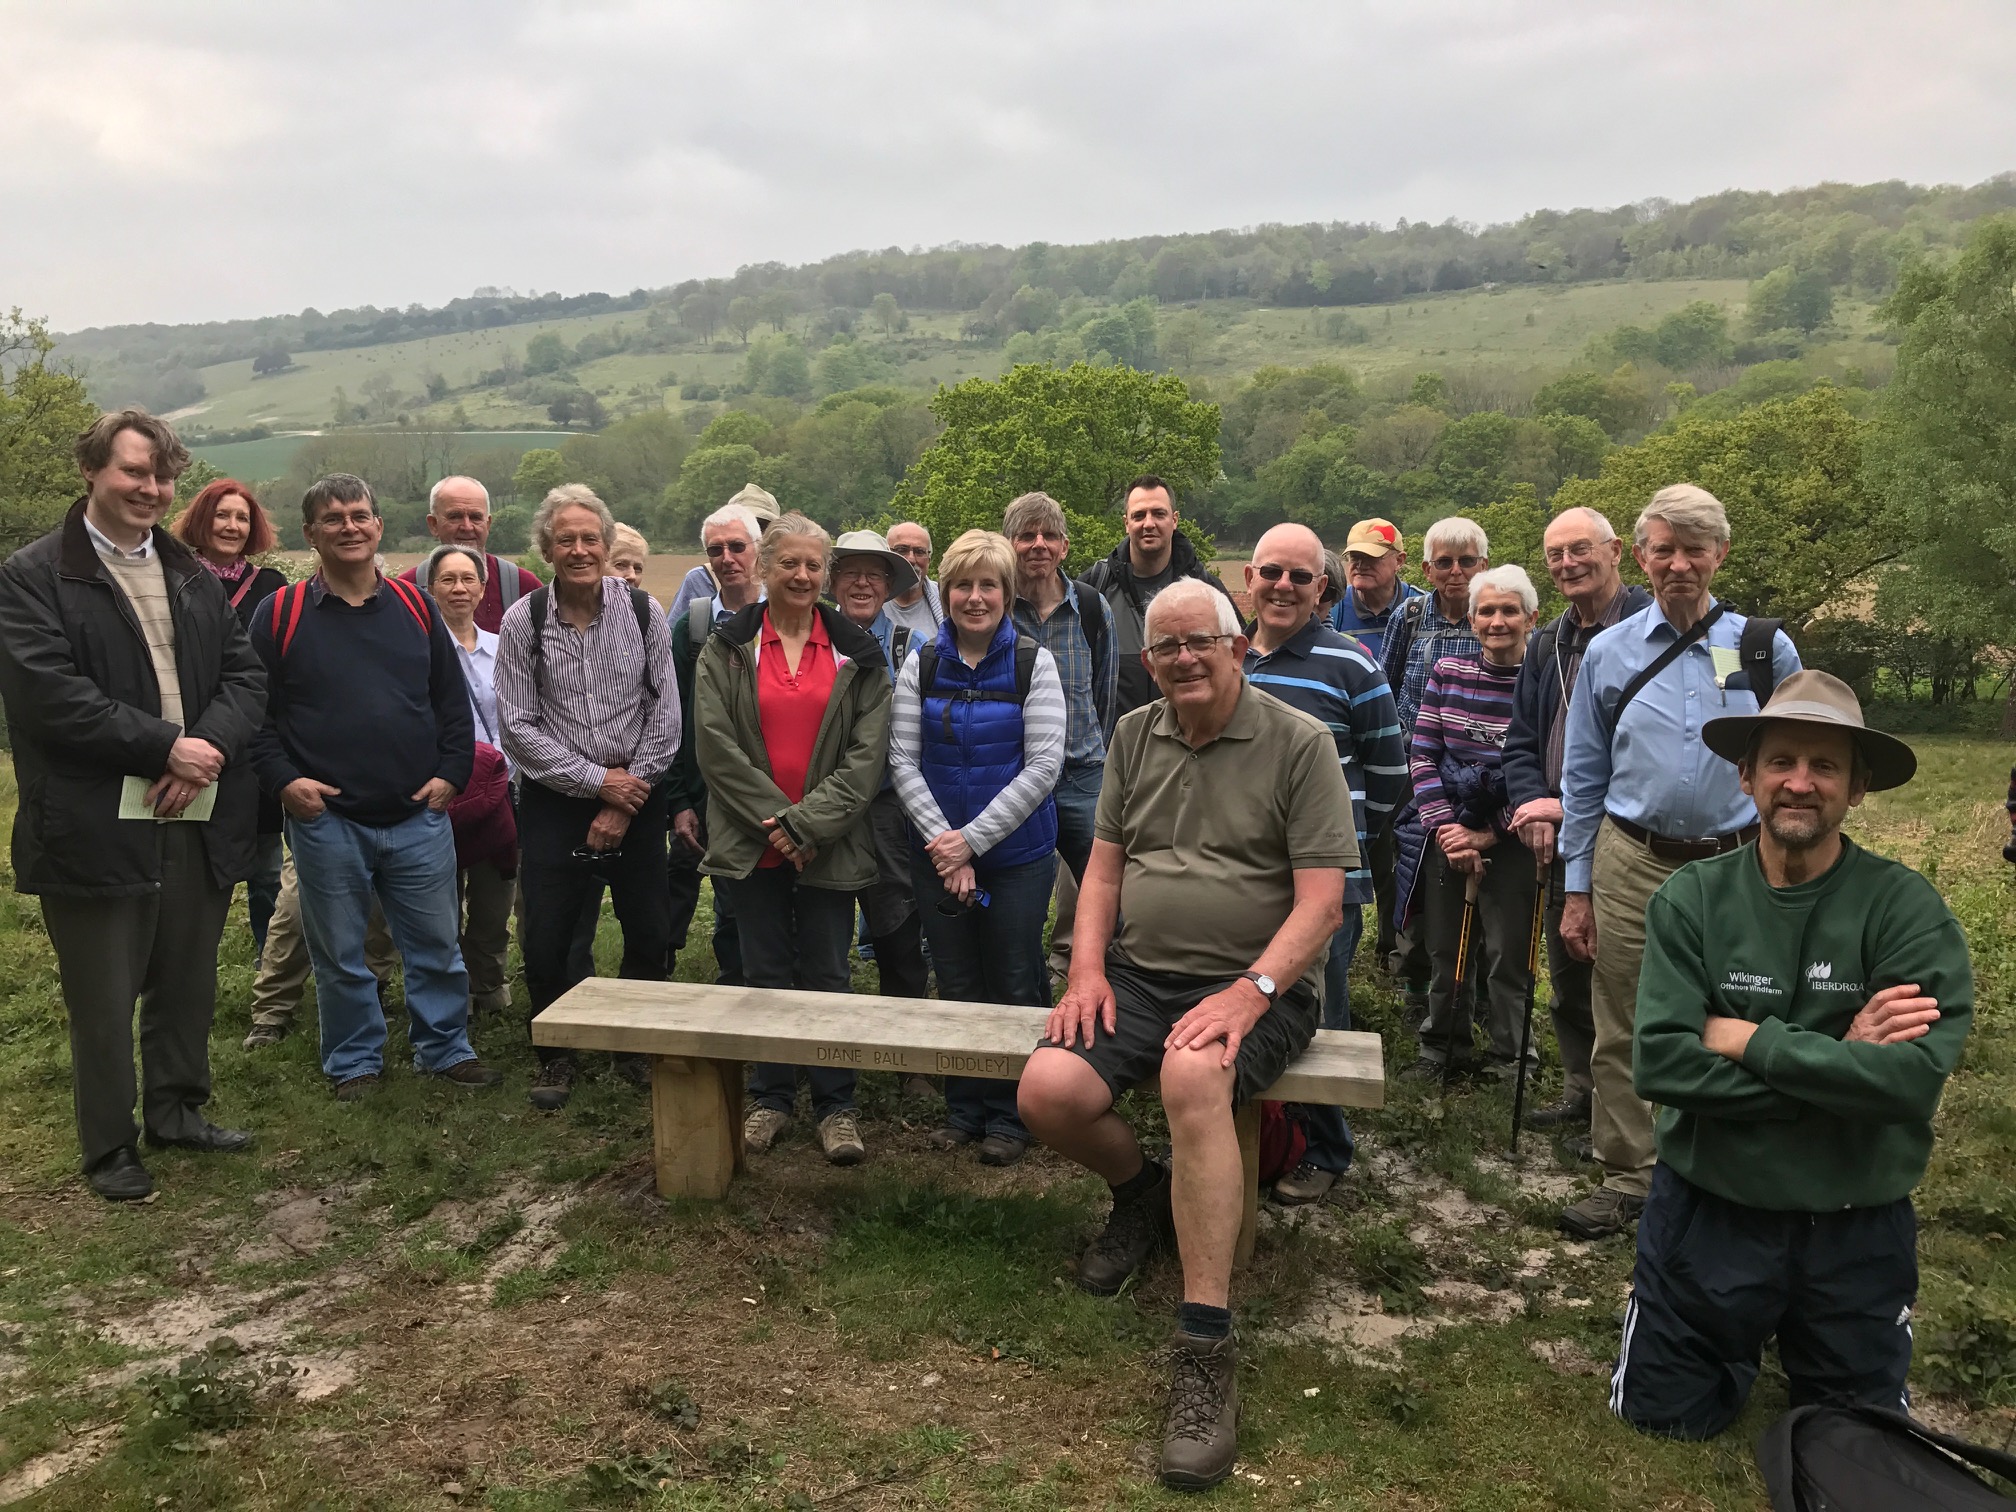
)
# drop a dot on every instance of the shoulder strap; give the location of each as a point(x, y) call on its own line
point(287, 614)
point(244, 587)
point(1753, 655)
point(1025, 666)
point(899, 647)
point(927, 669)
point(699, 622)
point(1091, 609)
point(416, 604)
point(539, 597)
point(507, 581)
point(645, 608)
point(1660, 663)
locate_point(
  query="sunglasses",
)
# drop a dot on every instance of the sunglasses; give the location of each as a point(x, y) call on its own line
point(727, 548)
point(598, 858)
point(1301, 577)
point(1443, 564)
point(951, 907)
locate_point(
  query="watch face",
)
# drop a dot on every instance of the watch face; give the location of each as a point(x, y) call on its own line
point(1264, 982)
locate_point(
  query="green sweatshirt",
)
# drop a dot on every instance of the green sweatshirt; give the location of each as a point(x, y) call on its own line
point(1805, 1122)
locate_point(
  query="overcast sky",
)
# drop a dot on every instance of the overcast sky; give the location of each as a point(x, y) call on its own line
point(215, 158)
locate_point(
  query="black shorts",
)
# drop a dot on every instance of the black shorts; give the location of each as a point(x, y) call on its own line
point(1147, 1005)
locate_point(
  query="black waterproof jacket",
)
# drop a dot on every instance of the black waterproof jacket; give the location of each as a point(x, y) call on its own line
point(84, 713)
point(1112, 578)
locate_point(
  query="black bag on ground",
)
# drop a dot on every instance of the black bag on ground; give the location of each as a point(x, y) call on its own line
point(1870, 1459)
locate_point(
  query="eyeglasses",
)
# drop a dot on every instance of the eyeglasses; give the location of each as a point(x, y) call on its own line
point(1301, 577)
point(918, 553)
point(727, 548)
point(1199, 646)
point(951, 907)
point(1443, 564)
point(1576, 551)
point(873, 570)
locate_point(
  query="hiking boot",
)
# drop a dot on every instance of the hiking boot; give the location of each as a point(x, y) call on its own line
point(634, 1069)
point(1579, 1147)
point(1200, 1436)
point(1002, 1150)
point(471, 1073)
point(1570, 1112)
point(949, 1137)
point(120, 1177)
point(263, 1035)
point(1133, 1232)
point(1433, 1072)
point(1306, 1183)
point(357, 1088)
point(840, 1138)
point(554, 1083)
point(920, 1087)
point(1603, 1212)
point(761, 1128)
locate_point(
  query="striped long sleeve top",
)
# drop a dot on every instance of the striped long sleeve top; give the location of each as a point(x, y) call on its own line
point(1332, 677)
point(1465, 711)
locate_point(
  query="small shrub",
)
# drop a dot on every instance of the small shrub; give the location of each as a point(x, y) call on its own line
point(1974, 1356)
point(1391, 1264)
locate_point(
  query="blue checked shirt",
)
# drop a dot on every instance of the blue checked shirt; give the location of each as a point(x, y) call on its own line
point(1654, 771)
point(1331, 677)
point(1090, 678)
point(1434, 638)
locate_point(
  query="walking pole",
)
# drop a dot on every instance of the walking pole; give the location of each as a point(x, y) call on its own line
point(1459, 1011)
point(1541, 895)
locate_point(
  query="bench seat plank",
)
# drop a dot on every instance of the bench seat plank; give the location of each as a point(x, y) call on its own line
point(911, 1036)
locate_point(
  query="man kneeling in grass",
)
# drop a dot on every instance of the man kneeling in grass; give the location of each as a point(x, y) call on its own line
point(1224, 827)
point(1801, 1006)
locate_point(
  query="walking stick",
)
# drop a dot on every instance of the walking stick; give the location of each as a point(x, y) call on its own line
point(1460, 1013)
point(1541, 895)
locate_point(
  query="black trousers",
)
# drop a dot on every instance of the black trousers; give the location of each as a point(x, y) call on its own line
point(794, 936)
point(1715, 1280)
point(556, 886)
point(160, 949)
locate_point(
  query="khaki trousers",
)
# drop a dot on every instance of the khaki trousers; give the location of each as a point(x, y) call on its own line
point(284, 967)
point(1622, 880)
point(486, 895)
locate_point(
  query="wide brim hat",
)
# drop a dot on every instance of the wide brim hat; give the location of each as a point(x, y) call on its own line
point(852, 543)
point(1816, 698)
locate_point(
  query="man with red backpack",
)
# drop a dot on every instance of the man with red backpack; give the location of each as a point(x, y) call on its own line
point(368, 739)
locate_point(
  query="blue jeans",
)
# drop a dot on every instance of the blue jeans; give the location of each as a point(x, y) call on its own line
point(1330, 1142)
point(1077, 795)
point(989, 955)
point(411, 868)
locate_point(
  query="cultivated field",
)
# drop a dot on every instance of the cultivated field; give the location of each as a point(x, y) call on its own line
point(437, 1299)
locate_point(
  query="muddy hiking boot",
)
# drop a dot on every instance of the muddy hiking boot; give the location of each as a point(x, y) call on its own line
point(1569, 1113)
point(1305, 1184)
point(1603, 1212)
point(1133, 1232)
point(554, 1084)
point(840, 1138)
point(761, 1128)
point(263, 1035)
point(1200, 1436)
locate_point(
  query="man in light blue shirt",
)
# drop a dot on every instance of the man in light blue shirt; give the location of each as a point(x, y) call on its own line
point(1641, 796)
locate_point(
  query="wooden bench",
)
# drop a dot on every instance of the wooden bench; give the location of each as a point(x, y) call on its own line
point(700, 1037)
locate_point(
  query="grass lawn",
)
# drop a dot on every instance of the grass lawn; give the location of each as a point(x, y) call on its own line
point(437, 1299)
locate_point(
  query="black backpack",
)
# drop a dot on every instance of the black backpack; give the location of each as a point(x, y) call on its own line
point(642, 605)
point(1870, 1459)
point(1025, 670)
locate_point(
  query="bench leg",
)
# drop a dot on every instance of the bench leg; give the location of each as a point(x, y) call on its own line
point(696, 1125)
point(1247, 1122)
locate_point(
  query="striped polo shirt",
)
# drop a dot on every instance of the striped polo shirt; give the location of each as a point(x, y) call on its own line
point(1331, 677)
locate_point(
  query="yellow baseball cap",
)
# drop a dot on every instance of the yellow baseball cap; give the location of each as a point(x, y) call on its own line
point(1375, 538)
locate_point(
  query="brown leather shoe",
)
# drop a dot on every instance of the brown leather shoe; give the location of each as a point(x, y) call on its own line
point(357, 1088)
point(1306, 1183)
point(1133, 1232)
point(1200, 1436)
point(471, 1073)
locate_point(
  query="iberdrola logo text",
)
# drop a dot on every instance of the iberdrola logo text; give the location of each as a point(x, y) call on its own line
point(1820, 978)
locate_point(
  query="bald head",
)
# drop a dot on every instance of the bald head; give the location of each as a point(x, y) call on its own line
point(1291, 546)
point(1282, 607)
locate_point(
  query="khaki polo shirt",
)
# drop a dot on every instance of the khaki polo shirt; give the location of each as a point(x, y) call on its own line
point(1214, 836)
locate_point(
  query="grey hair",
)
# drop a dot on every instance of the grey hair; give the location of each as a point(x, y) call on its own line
point(435, 491)
point(1458, 534)
point(1691, 513)
point(1510, 578)
point(791, 526)
point(1333, 579)
point(914, 525)
point(431, 563)
point(1599, 522)
point(1188, 593)
point(733, 514)
point(1033, 511)
point(569, 496)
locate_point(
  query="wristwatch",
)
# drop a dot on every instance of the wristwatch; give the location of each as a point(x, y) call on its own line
point(1265, 983)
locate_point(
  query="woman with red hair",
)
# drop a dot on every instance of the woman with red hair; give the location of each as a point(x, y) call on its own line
point(226, 528)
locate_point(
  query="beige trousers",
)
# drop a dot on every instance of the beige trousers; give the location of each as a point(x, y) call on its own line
point(284, 966)
point(1622, 880)
point(486, 895)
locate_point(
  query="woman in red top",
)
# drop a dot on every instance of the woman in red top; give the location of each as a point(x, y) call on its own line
point(791, 724)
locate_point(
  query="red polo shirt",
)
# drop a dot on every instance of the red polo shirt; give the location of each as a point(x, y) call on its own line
point(791, 706)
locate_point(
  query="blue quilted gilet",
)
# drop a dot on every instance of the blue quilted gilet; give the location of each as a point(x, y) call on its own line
point(972, 747)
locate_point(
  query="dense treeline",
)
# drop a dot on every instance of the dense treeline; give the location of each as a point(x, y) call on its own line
point(1850, 238)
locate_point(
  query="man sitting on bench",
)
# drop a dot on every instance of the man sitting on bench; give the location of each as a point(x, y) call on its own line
point(1224, 825)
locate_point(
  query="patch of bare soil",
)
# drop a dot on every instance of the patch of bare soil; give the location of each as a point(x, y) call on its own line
point(86, 1448)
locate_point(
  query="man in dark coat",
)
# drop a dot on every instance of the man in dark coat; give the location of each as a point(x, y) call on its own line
point(130, 689)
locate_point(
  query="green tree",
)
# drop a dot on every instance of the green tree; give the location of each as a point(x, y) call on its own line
point(743, 316)
point(1471, 457)
point(737, 427)
point(701, 313)
point(887, 314)
point(778, 366)
point(1614, 401)
point(540, 471)
point(1318, 482)
point(1695, 335)
point(1807, 531)
point(1185, 339)
point(710, 476)
point(42, 409)
point(546, 353)
point(1430, 390)
point(1944, 451)
point(630, 463)
point(1078, 435)
point(1790, 299)
point(777, 306)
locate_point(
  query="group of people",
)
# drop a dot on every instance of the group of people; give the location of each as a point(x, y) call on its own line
point(820, 729)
